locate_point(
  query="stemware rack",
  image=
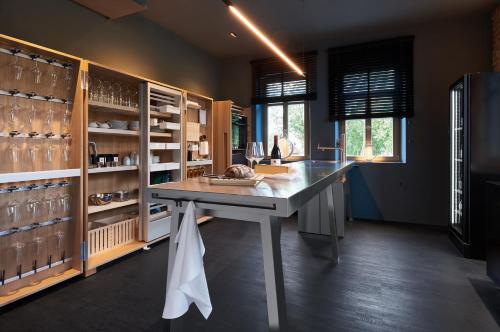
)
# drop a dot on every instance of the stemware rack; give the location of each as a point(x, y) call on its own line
point(100, 130)
point(40, 179)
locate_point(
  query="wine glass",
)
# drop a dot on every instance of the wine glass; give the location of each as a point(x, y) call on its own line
point(32, 112)
point(34, 154)
point(66, 127)
point(49, 119)
point(16, 69)
point(18, 247)
point(251, 152)
point(116, 90)
point(68, 75)
point(259, 152)
point(35, 71)
point(13, 113)
point(52, 74)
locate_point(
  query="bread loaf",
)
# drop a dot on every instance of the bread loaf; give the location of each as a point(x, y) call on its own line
point(239, 172)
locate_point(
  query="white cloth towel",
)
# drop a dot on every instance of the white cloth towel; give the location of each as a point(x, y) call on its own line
point(188, 282)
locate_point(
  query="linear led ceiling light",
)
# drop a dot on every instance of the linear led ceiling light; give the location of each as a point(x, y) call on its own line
point(262, 37)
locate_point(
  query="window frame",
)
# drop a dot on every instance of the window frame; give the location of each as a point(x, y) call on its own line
point(285, 127)
point(396, 136)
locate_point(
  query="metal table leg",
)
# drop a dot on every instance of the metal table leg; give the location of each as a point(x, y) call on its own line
point(270, 229)
point(326, 199)
point(172, 249)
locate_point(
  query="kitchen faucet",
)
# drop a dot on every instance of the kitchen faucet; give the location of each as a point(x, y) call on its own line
point(340, 147)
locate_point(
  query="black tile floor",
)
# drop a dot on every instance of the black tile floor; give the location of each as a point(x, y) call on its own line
point(391, 277)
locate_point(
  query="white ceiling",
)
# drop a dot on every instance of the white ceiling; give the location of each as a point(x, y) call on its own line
point(207, 23)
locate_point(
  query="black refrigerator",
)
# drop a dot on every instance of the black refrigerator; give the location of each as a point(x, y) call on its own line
point(474, 158)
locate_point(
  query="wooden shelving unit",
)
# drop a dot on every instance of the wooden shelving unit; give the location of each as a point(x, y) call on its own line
point(68, 99)
point(199, 122)
point(224, 113)
point(121, 142)
point(160, 103)
point(136, 222)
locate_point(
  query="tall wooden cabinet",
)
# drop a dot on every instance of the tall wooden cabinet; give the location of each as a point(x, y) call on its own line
point(228, 145)
point(41, 178)
point(112, 167)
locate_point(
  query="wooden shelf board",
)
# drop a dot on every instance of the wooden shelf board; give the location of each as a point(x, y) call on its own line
point(112, 254)
point(164, 167)
point(111, 108)
point(104, 131)
point(41, 175)
point(46, 283)
point(198, 163)
point(157, 114)
point(203, 219)
point(153, 134)
point(113, 205)
point(112, 169)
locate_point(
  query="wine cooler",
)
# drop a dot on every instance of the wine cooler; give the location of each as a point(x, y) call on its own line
point(474, 157)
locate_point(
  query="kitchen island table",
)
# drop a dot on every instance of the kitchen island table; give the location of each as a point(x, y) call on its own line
point(266, 203)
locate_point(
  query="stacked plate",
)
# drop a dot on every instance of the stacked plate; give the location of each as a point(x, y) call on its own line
point(118, 124)
point(133, 125)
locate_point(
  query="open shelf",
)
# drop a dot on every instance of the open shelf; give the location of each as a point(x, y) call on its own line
point(199, 162)
point(112, 254)
point(113, 205)
point(164, 167)
point(45, 283)
point(112, 169)
point(112, 108)
point(41, 175)
point(163, 115)
point(104, 131)
point(153, 134)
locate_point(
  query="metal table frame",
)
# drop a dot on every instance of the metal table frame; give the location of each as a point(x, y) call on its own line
point(266, 211)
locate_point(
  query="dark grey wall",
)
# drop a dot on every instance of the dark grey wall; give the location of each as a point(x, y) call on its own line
point(133, 43)
point(417, 191)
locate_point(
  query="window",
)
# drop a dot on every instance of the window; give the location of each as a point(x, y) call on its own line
point(281, 100)
point(291, 119)
point(371, 92)
point(377, 139)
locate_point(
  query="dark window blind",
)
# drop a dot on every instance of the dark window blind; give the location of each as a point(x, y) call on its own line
point(371, 80)
point(274, 81)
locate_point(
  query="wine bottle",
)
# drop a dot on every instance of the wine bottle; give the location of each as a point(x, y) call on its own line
point(275, 152)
